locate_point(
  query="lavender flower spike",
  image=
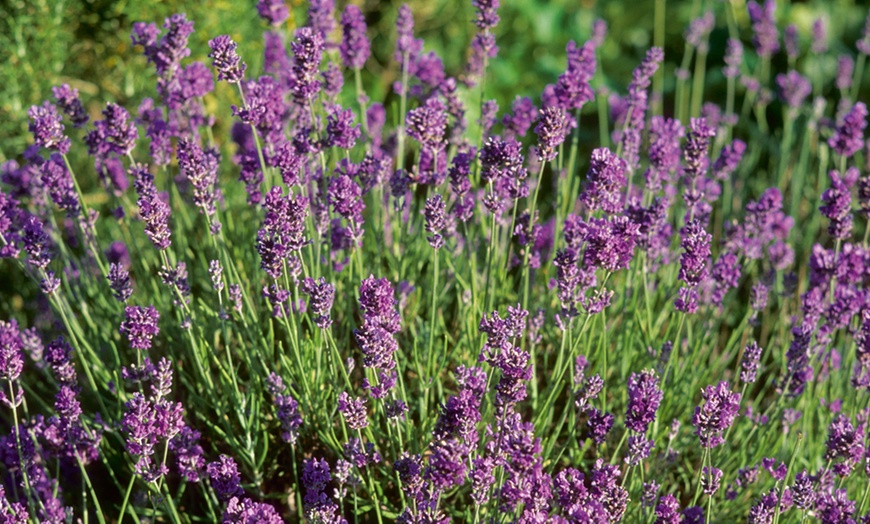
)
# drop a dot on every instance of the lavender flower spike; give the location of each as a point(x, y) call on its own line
point(552, 129)
point(47, 129)
point(140, 325)
point(848, 138)
point(226, 60)
point(435, 220)
point(355, 47)
point(716, 415)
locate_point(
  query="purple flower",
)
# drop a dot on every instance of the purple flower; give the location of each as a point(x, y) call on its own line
point(733, 58)
point(246, 511)
point(790, 39)
point(726, 275)
point(848, 137)
point(794, 89)
point(340, 130)
point(486, 16)
point(803, 495)
point(639, 448)
point(188, 454)
point(697, 161)
point(763, 512)
point(696, 253)
point(70, 103)
point(835, 507)
point(711, 478)
point(200, 169)
point(225, 478)
point(668, 510)
point(750, 362)
point(820, 36)
point(11, 356)
point(837, 203)
point(845, 70)
point(155, 213)
point(287, 409)
point(116, 133)
point(644, 398)
point(321, 17)
point(140, 326)
point(345, 196)
point(517, 123)
point(766, 36)
point(36, 243)
point(273, 11)
point(283, 231)
point(844, 442)
point(599, 425)
point(428, 124)
point(381, 322)
point(552, 128)
point(446, 465)
point(46, 124)
point(321, 294)
point(407, 47)
point(119, 282)
point(167, 53)
point(729, 159)
point(226, 60)
point(716, 415)
point(605, 181)
point(609, 243)
point(863, 44)
point(308, 52)
point(573, 89)
point(435, 220)
point(699, 29)
point(355, 48)
point(353, 410)
point(60, 185)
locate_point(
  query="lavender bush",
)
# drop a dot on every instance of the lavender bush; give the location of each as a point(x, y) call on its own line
point(334, 308)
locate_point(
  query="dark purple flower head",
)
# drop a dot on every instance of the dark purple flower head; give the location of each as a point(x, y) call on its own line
point(283, 231)
point(246, 511)
point(225, 477)
point(644, 397)
point(837, 203)
point(794, 89)
point(446, 465)
point(345, 196)
point(308, 52)
point(119, 282)
point(711, 478)
point(188, 454)
point(716, 415)
point(37, 243)
point(766, 36)
point(434, 213)
point(428, 124)
point(848, 137)
point(273, 11)
point(750, 362)
point(552, 128)
point(605, 181)
point(695, 151)
point(116, 133)
point(355, 47)
point(167, 52)
point(140, 326)
point(696, 253)
point(834, 507)
point(321, 294)
point(668, 510)
point(377, 303)
point(46, 124)
point(609, 243)
point(845, 443)
point(803, 495)
point(70, 103)
point(340, 130)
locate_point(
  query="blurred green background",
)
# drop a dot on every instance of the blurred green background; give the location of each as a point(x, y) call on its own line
point(86, 43)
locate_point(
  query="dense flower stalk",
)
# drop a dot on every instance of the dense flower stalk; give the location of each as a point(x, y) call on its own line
point(716, 415)
point(226, 60)
point(355, 47)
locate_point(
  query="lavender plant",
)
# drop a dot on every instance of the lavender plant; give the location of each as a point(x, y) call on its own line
point(315, 305)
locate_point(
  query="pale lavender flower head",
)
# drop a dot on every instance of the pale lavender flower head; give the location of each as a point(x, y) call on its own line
point(573, 89)
point(274, 12)
point(605, 182)
point(837, 203)
point(716, 415)
point(766, 35)
point(60, 185)
point(140, 326)
point(639, 448)
point(321, 295)
point(46, 124)
point(517, 123)
point(820, 36)
point(353, 410)
point(11, 354)
point(321, 17)
point(845, 70)
point(699, 29)
point(552, 129)
point(226, 60)
point(729, 159)
point(355, 47)
point(790, 39)
point(750, 362)
point(733, 58)
point(308, 52)
point(200, 169)
point(848, 137)
point(119, 282)
point(794, 89)
point(695, 242)
point(863, 45)
point(345, 196)
point(644, 398)
point(70, 103)
point(406, 44)
point(116, 133)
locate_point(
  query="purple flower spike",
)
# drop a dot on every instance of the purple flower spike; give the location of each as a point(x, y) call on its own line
point(119, 282)
point(321, 294)
point(435, 220)
point(428, 124)
point(794, 89)
point(716, 415)
point(273, 11)
point(355, 47)
point(47, 128)
point(11, 351)
point(644, 397)
point(340, 130)
point(552, 129)
point(837, 203)
point(750, 362)
point(60, 185)
point(155, 213)
point(848, 137)
point(517, 124)
point(226, 60)
point(573, 89)
point(70, 103)
point(353, 410)
point(308, 52)
point(605, 182)
point(766, 36)
point(140, 325)
point(225, 478)
point(733, 58)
